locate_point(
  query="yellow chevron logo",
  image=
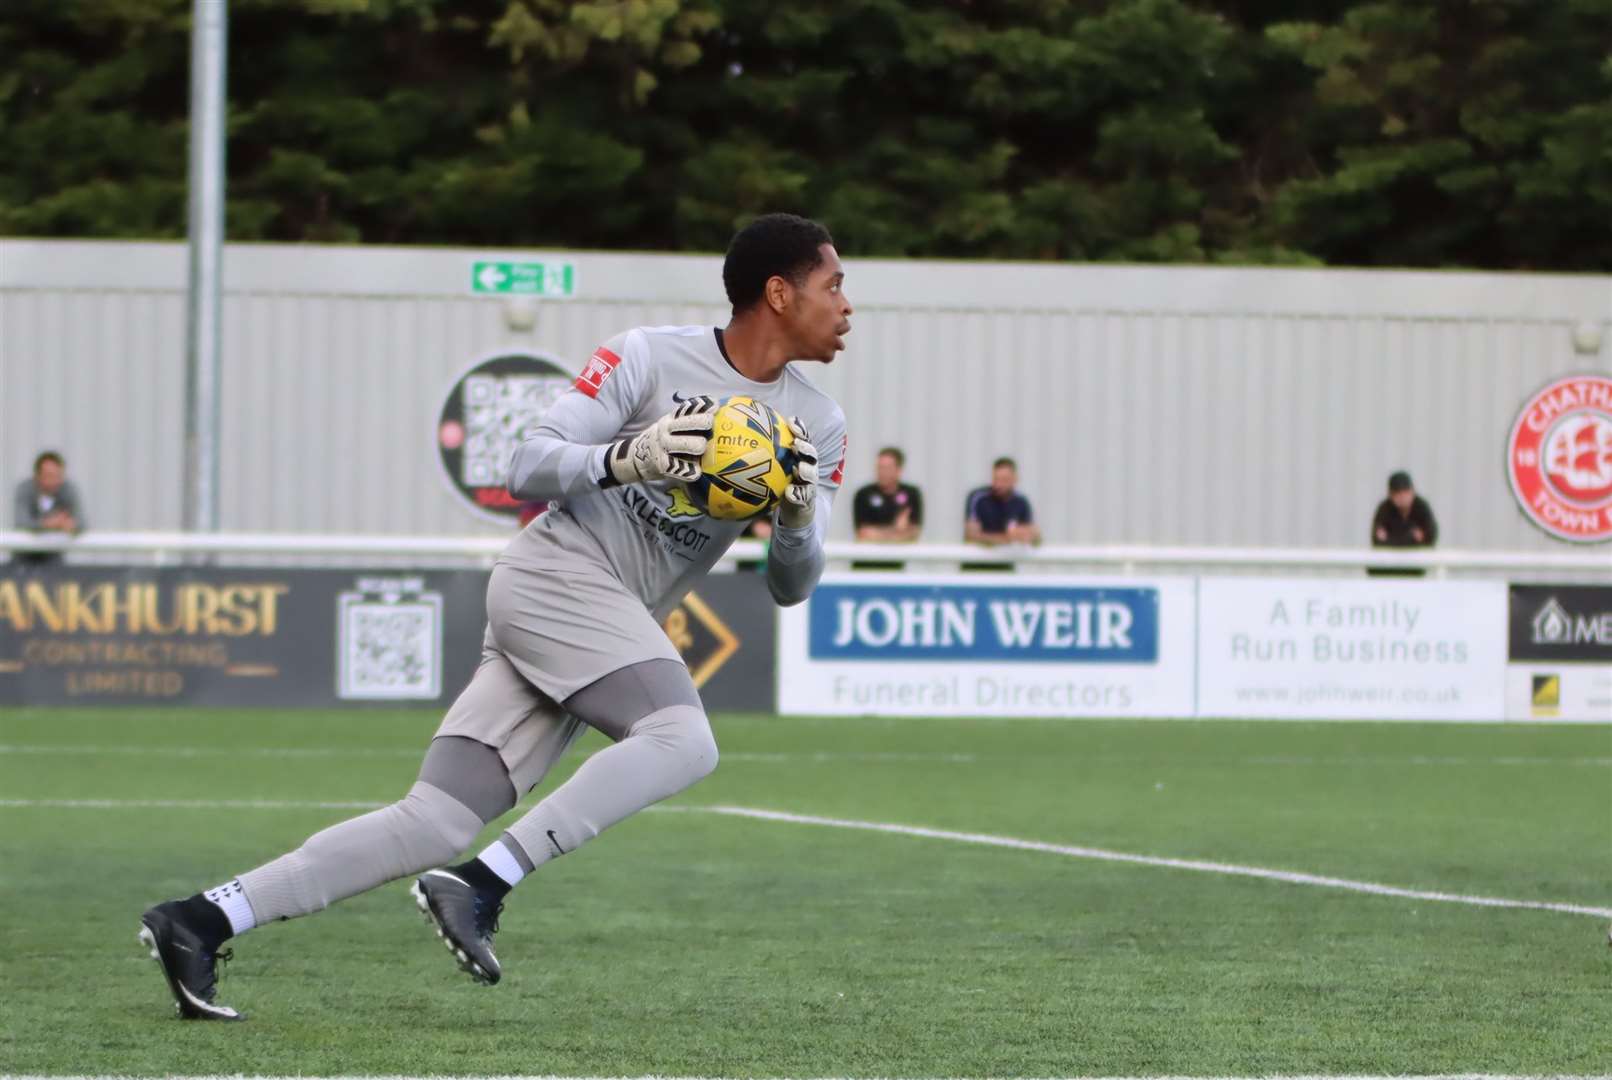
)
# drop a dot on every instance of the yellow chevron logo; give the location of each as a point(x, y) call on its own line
point(747, 479)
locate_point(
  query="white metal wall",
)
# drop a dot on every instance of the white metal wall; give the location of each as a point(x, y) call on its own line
point(1145, 405)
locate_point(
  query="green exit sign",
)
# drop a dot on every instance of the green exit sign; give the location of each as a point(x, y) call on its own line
point(525, 278)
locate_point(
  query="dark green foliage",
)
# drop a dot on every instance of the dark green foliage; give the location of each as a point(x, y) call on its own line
point(1399, 132)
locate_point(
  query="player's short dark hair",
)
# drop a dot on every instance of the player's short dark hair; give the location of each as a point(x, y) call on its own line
point(773, 245)
point(48, 456)
point(895, 452)
point(1001, 461)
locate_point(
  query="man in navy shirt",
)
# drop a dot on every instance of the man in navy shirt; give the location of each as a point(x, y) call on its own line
point(998, 514)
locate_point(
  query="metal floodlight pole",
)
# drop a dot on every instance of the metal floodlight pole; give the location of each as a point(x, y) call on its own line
point(208, 56)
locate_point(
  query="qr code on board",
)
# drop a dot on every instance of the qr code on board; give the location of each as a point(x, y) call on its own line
point(390, 649)
point(500, 411)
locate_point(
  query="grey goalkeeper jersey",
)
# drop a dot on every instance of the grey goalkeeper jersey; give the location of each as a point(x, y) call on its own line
point(649, 536)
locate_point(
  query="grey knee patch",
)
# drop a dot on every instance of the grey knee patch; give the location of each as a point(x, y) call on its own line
point(685, 731)
point(614, 703)
point(440, 825)
point(470, 772)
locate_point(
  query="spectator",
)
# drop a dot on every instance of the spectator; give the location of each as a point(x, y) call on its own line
point(997, 513)
point(1403, 520)
point(47, 502)
point(887, 511)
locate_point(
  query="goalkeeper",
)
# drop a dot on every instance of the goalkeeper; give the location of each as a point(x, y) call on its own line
point(573, 635)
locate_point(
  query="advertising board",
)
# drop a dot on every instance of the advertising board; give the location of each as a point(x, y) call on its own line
point(968, 645)
point(1336, 648)
point(1560, 648)
point(293, 638)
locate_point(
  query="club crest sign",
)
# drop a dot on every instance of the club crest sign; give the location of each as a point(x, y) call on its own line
point(1559, 458)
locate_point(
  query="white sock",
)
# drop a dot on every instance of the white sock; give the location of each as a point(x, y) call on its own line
point(498, 859)
point(231, 899)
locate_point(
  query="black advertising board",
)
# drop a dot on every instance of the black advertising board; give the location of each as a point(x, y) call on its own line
point(1561, 623)
point(309, 638)
point(212, 636)
point(726, 630)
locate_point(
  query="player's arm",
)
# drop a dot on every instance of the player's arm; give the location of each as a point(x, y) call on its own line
point(795, 558)
point(572, 451)
point(566, 454)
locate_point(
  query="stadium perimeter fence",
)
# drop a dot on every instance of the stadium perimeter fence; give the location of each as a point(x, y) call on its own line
point(324, 620)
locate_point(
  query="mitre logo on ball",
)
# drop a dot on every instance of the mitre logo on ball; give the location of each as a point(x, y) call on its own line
point(1559, 458)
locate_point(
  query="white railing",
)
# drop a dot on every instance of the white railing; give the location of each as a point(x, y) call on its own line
point(169, 546)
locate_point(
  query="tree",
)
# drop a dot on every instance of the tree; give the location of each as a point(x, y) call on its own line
point(1482, 125)
point(1403, 132)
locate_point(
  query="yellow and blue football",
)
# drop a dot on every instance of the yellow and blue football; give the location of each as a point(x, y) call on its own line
point(747, 463)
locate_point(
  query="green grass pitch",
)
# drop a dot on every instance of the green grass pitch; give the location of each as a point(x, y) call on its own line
point(694, 944)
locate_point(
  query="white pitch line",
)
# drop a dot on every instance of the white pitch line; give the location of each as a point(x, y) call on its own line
point(826, 756)
point(185, 804)
point(74, 750)
point(1414, 759)
point(415, 753)
point(817, 756)
point(984, 839)
point(1104, 855)
point(1273, 1076)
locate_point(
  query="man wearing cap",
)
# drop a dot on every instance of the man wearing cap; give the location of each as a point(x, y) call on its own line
point(1404, 519)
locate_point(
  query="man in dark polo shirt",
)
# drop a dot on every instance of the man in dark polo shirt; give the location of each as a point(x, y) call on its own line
point(887, 511)
point(998, 514)
point(1403, 520)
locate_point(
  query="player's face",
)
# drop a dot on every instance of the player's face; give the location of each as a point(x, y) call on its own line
point(821, 314)
point(1403, 499)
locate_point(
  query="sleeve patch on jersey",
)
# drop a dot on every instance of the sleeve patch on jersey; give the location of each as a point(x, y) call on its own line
point(600, 365)
point(839, 470)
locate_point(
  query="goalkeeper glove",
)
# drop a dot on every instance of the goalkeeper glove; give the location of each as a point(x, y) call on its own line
point(668, 449)
point(798, 506)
